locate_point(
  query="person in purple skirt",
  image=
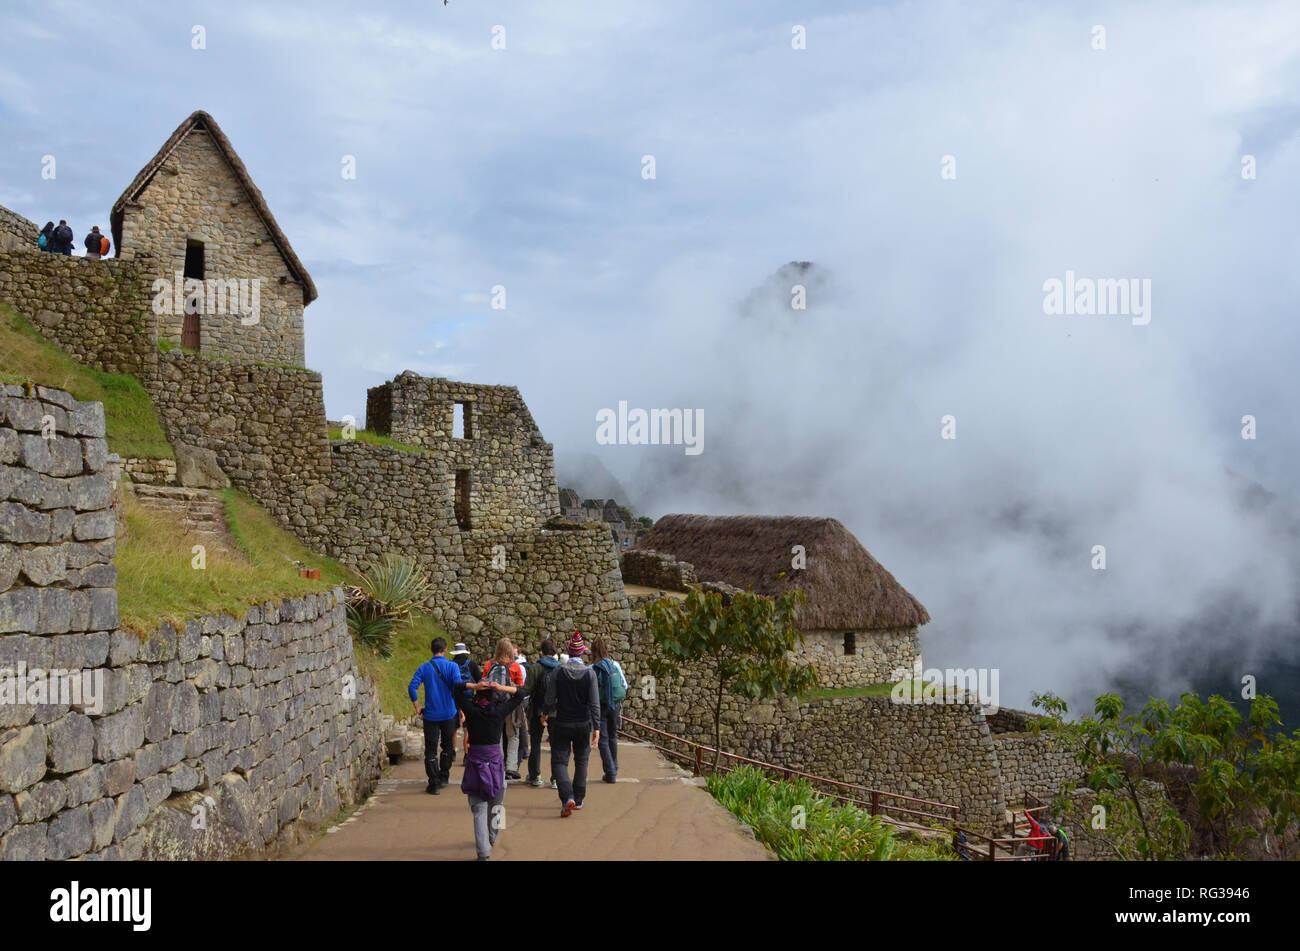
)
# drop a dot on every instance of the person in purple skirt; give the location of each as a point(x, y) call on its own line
point(485, 766)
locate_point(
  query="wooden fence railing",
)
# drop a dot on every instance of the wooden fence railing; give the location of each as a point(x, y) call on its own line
point(922, 815)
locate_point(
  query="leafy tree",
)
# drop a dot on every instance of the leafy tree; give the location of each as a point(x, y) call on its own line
point(1203, 752)
point(742, 645)
point(645, 521)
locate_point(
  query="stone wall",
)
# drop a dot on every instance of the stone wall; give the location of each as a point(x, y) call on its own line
point(655, 570)
point(1035, 764)
point(97, 312)
point(877, 654)
point(16, 232)
point(511, 468)
point(262, 723)
point(942, 752)
point(266, 425)
point(195, 196)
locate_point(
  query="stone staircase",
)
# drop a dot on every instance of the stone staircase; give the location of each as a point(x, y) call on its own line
point(197, 512)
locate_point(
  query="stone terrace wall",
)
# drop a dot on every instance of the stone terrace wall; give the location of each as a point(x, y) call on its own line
point(554, 582)
point(1037, 765)
point(266, 425)
point(265, 715)
point(655, 570)
point(97, 312)
point(940, 752)
point(196, 196)
point(511, 466)
point(56, 523)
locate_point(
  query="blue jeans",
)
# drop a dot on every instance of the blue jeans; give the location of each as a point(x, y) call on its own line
point(610, 717)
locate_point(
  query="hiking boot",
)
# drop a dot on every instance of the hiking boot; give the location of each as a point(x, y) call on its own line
point(513, 774)
point(567, 811)
point(577, 805)
point(536, 783)
point(554, 784)
point(431, 789)
point(607, 779)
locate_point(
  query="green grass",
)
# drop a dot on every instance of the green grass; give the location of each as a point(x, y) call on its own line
point(831, 832)
point(375, 439)
point(157, 580)
point(410, 650)
point(133, 427)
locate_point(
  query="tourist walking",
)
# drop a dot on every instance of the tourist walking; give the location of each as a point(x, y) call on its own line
point(539, 676)
point(613, 688)
point(485, 780)
point(470, 674)
point(504, 669)
point(572, 709)
point(95, 244)
point(441, 680)
point(521, 718)
point(45, 240)
point(62, 238)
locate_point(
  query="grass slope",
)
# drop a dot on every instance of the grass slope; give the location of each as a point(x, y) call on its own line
point(375, 439)
point(133, 428)
point(410, 650)
point(157, 579)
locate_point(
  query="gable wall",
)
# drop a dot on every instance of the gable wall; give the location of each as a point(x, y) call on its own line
point(195, 195)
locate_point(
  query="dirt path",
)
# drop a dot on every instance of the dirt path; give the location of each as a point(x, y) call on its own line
point(654, 811)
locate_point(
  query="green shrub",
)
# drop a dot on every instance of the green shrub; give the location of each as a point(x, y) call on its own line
point(390, 589)
point(800, 825)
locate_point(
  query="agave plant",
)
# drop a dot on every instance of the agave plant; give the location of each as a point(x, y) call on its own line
point(390, 589)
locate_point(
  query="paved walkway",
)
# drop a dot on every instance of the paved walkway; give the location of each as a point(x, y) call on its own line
point(654, 811)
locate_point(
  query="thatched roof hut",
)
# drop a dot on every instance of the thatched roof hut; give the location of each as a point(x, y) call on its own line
point(202, 121)
point(846, 588)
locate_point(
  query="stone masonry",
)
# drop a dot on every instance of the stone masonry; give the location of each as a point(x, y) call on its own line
point(262, 722)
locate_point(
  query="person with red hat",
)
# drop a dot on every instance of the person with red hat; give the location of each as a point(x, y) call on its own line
point(572, 710)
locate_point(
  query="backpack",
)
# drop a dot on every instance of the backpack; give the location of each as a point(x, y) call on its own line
point(103, 245)
point(613, 687)
point(498, 674)
point(43, 241)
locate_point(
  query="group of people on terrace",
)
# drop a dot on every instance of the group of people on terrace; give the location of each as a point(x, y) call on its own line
point(504, 707)
point(57, 239)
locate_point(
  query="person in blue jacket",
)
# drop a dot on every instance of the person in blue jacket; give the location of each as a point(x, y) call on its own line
point(440, 678)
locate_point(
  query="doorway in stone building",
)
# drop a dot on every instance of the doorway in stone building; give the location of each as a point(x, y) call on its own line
point(194, 268)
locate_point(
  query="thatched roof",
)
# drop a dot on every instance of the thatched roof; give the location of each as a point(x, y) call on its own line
point(201, 120)
point(846, 588)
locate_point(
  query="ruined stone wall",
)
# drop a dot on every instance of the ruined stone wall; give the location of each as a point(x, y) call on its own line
point(511, 467)
point(266, 425)
point(263, 721)
point(942, 752)
point(195, 196)
point(656, 570)
point(877, 654)
point(97, 312)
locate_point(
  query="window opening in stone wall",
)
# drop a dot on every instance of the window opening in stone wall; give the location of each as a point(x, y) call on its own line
point(462, 499)
point(462, 421)
point(850, 644)
point(194, 268)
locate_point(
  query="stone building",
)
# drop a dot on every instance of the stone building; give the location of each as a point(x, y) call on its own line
point(194, 210)
point(625, 530)
point(501, 470)
point(859, 623)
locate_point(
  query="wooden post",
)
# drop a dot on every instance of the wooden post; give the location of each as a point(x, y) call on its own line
point(875, 802)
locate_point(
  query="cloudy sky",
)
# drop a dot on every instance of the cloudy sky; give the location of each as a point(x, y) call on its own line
point(523, 167)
